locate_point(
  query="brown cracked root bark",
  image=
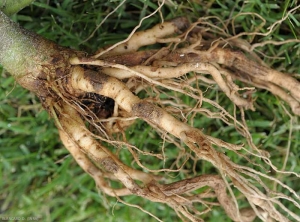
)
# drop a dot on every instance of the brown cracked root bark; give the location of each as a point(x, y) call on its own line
point(224, 65)
point(80, 142)
point(65, 79)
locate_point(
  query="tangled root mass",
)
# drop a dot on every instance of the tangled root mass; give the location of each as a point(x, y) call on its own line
point(101, 97)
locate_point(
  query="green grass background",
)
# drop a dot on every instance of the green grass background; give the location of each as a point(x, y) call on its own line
point(40, 180)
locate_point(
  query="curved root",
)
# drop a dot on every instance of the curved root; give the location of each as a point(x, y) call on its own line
point(193, 138)
point(86, 150)
point(168, 68)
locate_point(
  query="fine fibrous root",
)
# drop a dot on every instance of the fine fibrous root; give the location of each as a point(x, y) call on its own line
point(95, 99)
point(177, 67)
point(108, 86)
point(184, 61)
point(85, 149)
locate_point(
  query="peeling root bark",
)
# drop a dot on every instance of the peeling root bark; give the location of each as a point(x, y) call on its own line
point(61, 83)
point(87, 165)
point(150, 36)
point(157, 117)
point(79, 142)
point(183, 61)
point(84, 148)
point(73, 126)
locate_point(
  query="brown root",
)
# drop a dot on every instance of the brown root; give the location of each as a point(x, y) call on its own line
point(94, 99)
point(192, 57)
point(193, 138)
point(224, 65)
point(86, 150)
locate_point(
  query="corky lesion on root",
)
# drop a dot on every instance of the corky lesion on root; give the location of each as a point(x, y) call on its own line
point(81, 144)
point(159, 118)
point(147, 37)
point(231, 66)
point(189, 53)
point(198, 51)
point(69, 87)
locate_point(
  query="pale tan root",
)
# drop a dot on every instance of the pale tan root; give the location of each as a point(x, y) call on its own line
point(240, 62)
point(157, 68)
point(275, 90)
point(219, 188)
point(187, 60)
point(173, 72)
point(242, 67)
point(149, 36)
point(72, 125)
point(75, 135)
point(80, 143)
point(199, 52)
point(85, 163)
point(195, 139)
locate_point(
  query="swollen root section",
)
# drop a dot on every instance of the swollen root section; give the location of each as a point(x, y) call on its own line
point(102, 165)
point(197, 142)
point(90, 81)
point(191, 60)
point(74, 134)
point(147, 37)
point(89, 167)
point(159, 118)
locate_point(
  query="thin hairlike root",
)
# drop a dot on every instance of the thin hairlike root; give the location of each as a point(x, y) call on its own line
point(80, 144)
point(102, 21)
point(188, 61)
point(173, 72)
point(138, 207)
point(275, 90)
point(120, 72)
point(157, 117)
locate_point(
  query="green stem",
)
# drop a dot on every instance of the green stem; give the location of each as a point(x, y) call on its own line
point(30, 58)
point(16, 47)
point(10, 7)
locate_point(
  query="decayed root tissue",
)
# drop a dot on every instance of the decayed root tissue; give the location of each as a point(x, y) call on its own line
point(110, 73)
